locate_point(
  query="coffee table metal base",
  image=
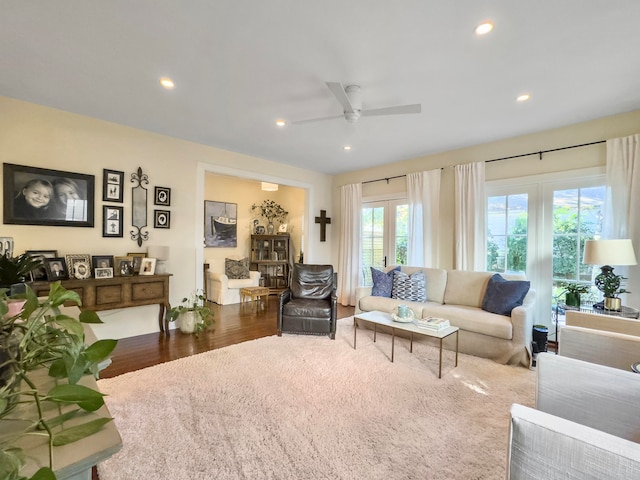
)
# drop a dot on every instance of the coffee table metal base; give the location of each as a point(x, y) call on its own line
point(385, 319)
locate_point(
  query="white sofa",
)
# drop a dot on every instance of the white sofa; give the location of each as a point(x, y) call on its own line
point(585, 424)
point(457, 296)
point(602, 339)
point(223, 290)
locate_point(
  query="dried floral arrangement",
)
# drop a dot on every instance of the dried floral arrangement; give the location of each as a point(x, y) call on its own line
point(270, 210)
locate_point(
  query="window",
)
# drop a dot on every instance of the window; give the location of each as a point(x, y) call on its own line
point(507, 223)
point(384, 235)
point(539, 225)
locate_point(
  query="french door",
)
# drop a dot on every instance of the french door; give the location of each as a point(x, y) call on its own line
point(384, 235)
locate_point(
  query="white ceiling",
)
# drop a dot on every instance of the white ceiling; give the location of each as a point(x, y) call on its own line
point(239, 65)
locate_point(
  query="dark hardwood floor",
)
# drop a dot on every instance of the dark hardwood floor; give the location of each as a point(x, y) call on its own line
point(233, 324)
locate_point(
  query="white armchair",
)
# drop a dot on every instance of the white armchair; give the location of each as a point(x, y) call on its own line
point(601, 339)
point(223, 290)
point(585, 424)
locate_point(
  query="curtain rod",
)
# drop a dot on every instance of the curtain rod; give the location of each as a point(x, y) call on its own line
point(539, 153)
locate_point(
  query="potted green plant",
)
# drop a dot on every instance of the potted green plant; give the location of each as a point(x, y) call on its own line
point(610, 285)
point(192, 315)
point(572, 292)
point(16, 269)
point(36, 335)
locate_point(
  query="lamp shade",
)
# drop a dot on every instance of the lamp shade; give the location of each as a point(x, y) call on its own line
point(609, 252)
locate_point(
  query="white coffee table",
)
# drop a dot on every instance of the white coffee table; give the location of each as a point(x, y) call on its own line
point(385, 319)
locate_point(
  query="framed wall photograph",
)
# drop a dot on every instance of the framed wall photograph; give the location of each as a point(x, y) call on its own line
point(40, 196)
point(101, 261)
point(162, 196)
point(56, 269)
point(6, 246)
point(79, 265)
point(40, 273)
point(220, 224)
point(104, 272)
point(112, 221)
point(148, 266)
point(112, 188)
point(136, 260)
point(123, 266)
point(161, 219)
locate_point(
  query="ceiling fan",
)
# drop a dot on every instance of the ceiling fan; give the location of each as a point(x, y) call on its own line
point(350, 97)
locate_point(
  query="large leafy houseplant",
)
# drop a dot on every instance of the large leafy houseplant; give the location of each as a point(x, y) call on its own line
point(36, 335)
point(16, 269)
point(196, 305)
point(270, 210)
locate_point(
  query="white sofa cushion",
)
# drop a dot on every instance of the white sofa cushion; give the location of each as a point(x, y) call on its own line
point(466, 288)
point(472, 319)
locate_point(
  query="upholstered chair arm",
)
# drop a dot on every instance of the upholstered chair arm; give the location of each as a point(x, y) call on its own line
point(283, 298)
point(334, 314)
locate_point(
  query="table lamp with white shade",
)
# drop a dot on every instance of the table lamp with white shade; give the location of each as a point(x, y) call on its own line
point(605, 253)
point(161, 254)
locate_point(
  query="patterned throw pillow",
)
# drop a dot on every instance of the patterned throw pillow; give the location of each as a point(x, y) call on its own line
point(502, 295)
point(409, 287)
point(236, 269)
point(382, 282)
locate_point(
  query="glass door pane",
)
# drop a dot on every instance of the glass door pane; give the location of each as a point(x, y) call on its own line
point(373, 232)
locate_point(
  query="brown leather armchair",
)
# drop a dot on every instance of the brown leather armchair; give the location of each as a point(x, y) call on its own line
point(310, 305)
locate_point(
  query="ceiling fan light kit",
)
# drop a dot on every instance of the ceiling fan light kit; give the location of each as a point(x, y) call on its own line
point(350, 97)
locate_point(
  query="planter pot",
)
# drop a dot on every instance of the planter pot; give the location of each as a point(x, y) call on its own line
point(187, 322)
point(572, 299)
point(611, 303)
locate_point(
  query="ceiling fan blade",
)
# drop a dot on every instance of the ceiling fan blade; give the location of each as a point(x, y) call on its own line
point(338, 90)
point(311, 120)
point(398, 110)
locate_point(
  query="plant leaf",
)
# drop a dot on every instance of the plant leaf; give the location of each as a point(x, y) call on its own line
point(70, 324)
point(59, 420)
point(89, 316)
point(100, 350)
point(58, 295)
point(86, 398)
point(11, 461)
point(79, 432)
point(57, 369)
point(45, 473)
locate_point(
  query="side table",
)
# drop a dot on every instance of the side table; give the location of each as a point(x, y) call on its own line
point(254, 294)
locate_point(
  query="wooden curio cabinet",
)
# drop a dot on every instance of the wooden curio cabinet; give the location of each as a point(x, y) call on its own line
point(270, 257)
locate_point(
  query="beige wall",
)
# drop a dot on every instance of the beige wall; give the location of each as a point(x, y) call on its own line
point(243, 192)
point(601, 129)
point(44, 137)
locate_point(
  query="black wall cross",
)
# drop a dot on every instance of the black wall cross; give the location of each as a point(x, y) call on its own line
point(323, 220)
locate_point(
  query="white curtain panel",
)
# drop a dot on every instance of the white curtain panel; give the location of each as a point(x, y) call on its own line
point(470, 221)
point(623, 198)
point(423, 189)
point(350, 233)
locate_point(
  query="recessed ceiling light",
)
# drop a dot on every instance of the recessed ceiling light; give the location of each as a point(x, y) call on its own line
point(484, 28)
point(280, 122)
point(167, 83)
point(523, 98)
point(347, 147)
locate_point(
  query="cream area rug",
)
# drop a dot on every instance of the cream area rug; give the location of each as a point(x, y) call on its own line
point(306, 407)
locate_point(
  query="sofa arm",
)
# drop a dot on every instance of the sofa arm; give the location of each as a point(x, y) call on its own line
point(361, 292)
point(522, 321)
point(220, 278)
point(255, 276)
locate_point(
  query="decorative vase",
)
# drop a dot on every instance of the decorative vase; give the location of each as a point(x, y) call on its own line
point(611, 303)
point(187, 322)
point(270, 227)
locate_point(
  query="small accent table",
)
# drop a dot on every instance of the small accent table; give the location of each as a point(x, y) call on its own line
point(254, 293)
point(385, 319)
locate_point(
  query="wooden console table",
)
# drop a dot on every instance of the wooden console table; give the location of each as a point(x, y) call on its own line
point(119, 292)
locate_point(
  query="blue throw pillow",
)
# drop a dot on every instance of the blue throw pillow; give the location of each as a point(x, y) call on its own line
point(382, 282)
point(502, 295)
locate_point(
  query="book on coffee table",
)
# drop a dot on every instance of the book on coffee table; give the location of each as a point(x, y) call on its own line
point(433, 323)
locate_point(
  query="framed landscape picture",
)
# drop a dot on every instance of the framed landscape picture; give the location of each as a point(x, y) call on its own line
point(40, 196)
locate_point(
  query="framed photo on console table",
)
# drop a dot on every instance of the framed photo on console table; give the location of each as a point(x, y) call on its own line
point(40, 196)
